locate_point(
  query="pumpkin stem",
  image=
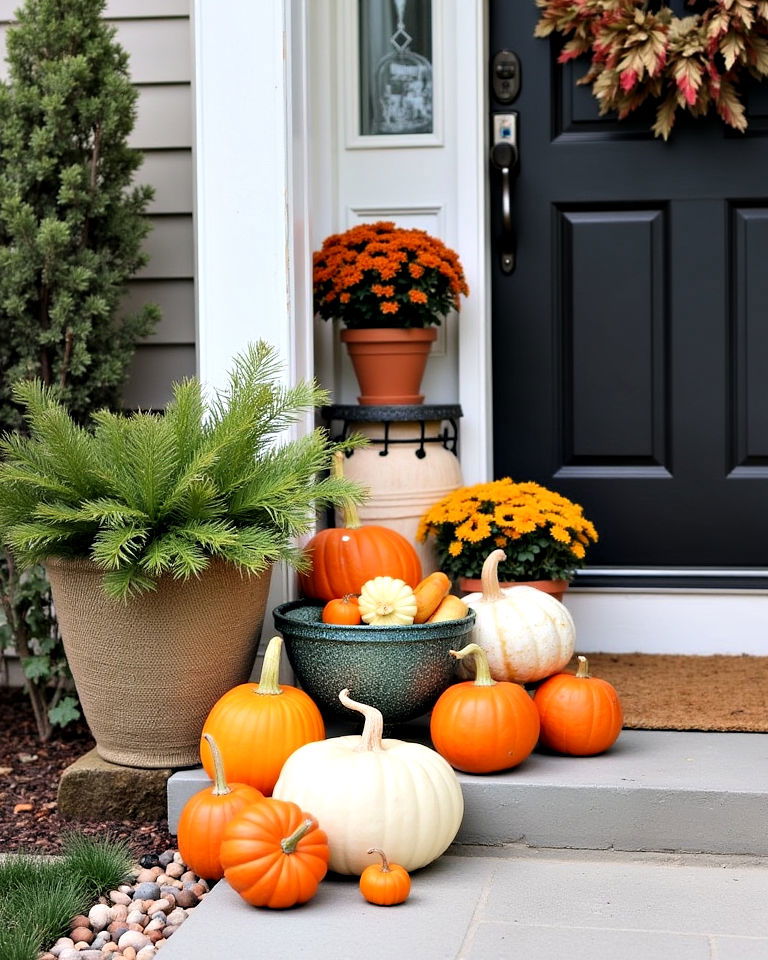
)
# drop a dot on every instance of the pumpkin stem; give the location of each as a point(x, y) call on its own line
point(384, 862)
point(583, 672)
point(490, 576)
point(348, 509)
point(289, 844)
point(270, 669)
point(373, 729)
point(483, 676)
point(220, 786)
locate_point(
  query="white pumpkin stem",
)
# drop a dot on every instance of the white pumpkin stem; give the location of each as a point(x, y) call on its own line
point(348, 510)
point(269, 681)
point(583, 672)
point(289, 844)
point(373, 728)
point(483, 676)
point(490, 576)
point(384, 862)
point(220, 786)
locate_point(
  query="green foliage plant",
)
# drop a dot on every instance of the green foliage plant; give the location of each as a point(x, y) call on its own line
point(148, 494)
point(72, 226)
point(39, 895)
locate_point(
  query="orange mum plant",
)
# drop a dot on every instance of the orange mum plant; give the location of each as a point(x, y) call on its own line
point(544, 535)
point(380, 275)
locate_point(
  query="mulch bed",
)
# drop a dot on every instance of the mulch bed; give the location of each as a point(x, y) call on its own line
point(29, 774)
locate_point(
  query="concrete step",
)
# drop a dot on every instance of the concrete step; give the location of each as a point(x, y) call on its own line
point(481, 904)
point(653, 791)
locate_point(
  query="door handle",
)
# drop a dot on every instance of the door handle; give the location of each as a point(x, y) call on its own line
point(506, 158)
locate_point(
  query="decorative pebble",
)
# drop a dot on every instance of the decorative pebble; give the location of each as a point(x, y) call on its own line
point(188, 877)
point(117, 928)
point(82, 934)
point(149, 860)
point(90, 955)
point(118, 912)
point(129, 953)
point(98, 916)
point(176, 917)
point(118, 896)
point(169, 931)
point(79, 921)
point(145, 876)
point(69, 953)
point(186, 898)
point(147, 891)
point(166, 857)
point(63, 943)
point(146, 953)
point(174, 870)
point(131, 938)
point(177, 858)
point(109, 948)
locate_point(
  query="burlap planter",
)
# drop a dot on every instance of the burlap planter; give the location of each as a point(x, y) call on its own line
point(148, 671)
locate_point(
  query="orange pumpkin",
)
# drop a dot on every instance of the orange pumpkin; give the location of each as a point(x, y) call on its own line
point(481, 726)
point(385, 883)
point(258, 726)
point(343, 610)
point(580, 715)
point(274, 854)
point(206, 815)
point(344, 558)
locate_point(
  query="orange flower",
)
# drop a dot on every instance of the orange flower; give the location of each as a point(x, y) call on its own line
point(417, 296)
point(389, 306)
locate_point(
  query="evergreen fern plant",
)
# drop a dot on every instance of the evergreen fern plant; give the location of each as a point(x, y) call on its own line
point(147, 494)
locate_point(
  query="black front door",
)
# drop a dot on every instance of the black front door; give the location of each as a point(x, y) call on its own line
point(630, 343)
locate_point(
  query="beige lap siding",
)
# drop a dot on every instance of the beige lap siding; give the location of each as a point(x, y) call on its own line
point(157, 37)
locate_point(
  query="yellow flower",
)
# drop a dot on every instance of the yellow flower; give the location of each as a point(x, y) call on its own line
point(561, 534)
point(501, 541)
point(578, 550)
point(477, 528)
point(455, 548)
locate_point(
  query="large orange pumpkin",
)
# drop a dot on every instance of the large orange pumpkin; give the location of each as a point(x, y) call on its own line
point(274, 854)
point(258, 726)
point(344, 558)
point(580, 715)
point(205, 817)
point(481, 726)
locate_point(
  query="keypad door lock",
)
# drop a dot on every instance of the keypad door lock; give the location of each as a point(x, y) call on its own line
point(505, 76)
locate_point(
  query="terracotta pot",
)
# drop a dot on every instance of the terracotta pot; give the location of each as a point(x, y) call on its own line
point(389, 363)
point(556, 588)
point(148, 671)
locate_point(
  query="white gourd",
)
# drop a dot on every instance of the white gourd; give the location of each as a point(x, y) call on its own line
point(527, 634)
point(387, 601)
point(368, 792)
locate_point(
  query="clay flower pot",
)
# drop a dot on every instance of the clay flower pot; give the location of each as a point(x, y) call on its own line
point(389, 362)
point(555, 588)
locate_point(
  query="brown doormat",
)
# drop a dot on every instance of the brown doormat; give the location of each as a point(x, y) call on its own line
point(667, 692)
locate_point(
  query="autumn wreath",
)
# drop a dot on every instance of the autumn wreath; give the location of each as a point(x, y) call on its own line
point(640, 52)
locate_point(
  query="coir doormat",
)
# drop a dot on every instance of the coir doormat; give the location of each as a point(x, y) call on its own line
point(667, 692)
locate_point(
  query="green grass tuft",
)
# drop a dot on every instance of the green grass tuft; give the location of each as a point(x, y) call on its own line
point(102, 864)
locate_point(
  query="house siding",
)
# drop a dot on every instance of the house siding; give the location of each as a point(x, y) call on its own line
point(157, 36)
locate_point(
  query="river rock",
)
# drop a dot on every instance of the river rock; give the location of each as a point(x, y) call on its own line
point(118, 896)
point(63, 943)
point(174, 870)
point(118, 912)
point(186, 898)
point(132, 938)
point(176, 917)
point(147, 891)
point(99, 916)
point(166, 857)
point(146, 953)
point(82, 934)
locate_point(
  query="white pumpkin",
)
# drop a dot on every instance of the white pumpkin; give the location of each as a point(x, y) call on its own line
point(527, 634)
point(368, 792)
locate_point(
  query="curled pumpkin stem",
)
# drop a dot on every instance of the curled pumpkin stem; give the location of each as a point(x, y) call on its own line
point(490, 576)
point(220, 786)
point(289, 844)
point(384, 862)
point(483, 676)
point(373, 728)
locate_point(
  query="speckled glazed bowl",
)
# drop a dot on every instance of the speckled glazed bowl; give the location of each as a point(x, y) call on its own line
point(400, 670)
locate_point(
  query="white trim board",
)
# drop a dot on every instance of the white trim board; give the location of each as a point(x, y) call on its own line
point(688, 622)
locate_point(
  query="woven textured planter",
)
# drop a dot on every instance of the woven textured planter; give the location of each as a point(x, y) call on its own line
point(149, 670)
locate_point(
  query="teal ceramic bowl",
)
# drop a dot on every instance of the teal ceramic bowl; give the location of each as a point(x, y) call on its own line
point(400, 670)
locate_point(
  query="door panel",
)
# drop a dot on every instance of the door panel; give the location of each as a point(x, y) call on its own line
point(631, 342)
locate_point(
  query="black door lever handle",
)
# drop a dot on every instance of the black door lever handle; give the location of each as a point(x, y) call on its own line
point(504, 157)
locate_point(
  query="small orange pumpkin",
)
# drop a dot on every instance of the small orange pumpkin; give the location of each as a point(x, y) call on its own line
point(342, 610)
point(274, 854)
point(258, 725)
point(481, 726)
point(580, 715)
point(385, 883)
point(344, 558)
point(206, 815)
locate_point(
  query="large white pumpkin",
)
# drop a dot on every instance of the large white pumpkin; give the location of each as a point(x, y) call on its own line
point(366, 792)
point(527, 634)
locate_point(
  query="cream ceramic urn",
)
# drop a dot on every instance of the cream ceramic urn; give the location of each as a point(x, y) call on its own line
point(403, 486)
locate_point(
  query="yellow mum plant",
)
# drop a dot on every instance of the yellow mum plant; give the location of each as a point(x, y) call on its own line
point(544, 535)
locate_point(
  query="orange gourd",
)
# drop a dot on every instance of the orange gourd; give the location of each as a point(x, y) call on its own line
point(344, 558)
point(206, 815)
point(343, 610)
point(258, 726)
point(429, 593)
point(451, 608)
point(481, 726)
point(580, 715)
point(385, 883)
point(274, 854)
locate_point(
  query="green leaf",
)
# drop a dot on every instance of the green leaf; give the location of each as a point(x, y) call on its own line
point(66, 711)
point(36, 668)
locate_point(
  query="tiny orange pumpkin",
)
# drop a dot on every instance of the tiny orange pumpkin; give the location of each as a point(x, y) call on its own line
point(581, 715)
point(274, 854)
point(205, 817)
point(385, 883)
point(482, 725)
point(342, 610)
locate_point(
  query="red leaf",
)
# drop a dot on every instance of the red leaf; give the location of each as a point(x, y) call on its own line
point(628, 79)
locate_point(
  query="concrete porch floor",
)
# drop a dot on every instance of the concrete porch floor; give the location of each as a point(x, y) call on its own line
point(487, 903)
